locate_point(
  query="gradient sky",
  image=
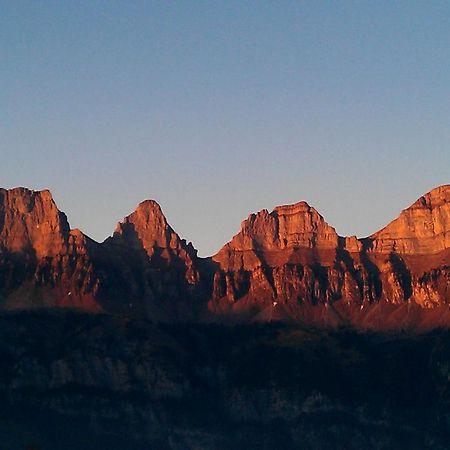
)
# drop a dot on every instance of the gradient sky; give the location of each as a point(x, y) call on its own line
point(218, 109)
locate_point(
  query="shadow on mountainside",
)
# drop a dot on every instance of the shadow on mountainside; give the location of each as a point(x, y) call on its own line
point(105, 382)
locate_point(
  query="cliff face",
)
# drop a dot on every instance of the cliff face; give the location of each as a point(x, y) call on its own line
point(280, 256)
point(145, 269)
point(45, 264)
point(30, 222)
point(282, 262)
point(288, 264)
point(276, 237)
point(42, 261)
point(421, 229)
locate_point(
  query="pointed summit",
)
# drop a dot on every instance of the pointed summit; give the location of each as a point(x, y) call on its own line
point(154, 269)
point(147, 226)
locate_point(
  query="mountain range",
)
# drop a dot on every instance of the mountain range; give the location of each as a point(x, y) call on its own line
point(285, 265)
point(290, 337)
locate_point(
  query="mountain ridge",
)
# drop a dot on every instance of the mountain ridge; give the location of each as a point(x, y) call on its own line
point(287, 264)
point(426, 198)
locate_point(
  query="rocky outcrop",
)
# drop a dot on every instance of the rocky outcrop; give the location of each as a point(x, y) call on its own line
point(288, 264)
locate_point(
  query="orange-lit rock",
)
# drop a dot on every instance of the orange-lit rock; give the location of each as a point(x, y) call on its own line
point(43, 263)
point(147, 228)
point(423, 228)
point(301, 260)
point(288, 264)
point(30, 220)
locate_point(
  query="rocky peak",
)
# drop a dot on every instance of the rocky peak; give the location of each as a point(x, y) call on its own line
point(148, 227)
point(422, 228)
point(301, 225)
point(30, 220)
point(289, 226)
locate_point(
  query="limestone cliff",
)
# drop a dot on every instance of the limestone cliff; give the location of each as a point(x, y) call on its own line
point(421, 229)
point(288, 264)
point(281, 263)
point(31, 222)
point(42, 262)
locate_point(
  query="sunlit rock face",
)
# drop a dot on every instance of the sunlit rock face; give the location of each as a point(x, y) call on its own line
point(282, 262)
point(145, 269)
point(279, 234)
point(31, 222)
point(42, 262)
point(423, 228)
point(288, 264)
point(286, 227)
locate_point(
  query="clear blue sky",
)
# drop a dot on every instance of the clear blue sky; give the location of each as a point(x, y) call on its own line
point(218, 109)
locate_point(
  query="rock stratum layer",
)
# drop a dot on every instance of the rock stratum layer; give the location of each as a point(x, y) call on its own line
point(288, 264)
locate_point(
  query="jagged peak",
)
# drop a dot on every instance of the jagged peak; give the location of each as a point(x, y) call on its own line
point(148, 215)
point(287, 226)
point(425, 223)
point(148, 226)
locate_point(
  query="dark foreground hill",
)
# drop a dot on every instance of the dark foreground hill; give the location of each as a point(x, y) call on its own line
point(75, 380)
